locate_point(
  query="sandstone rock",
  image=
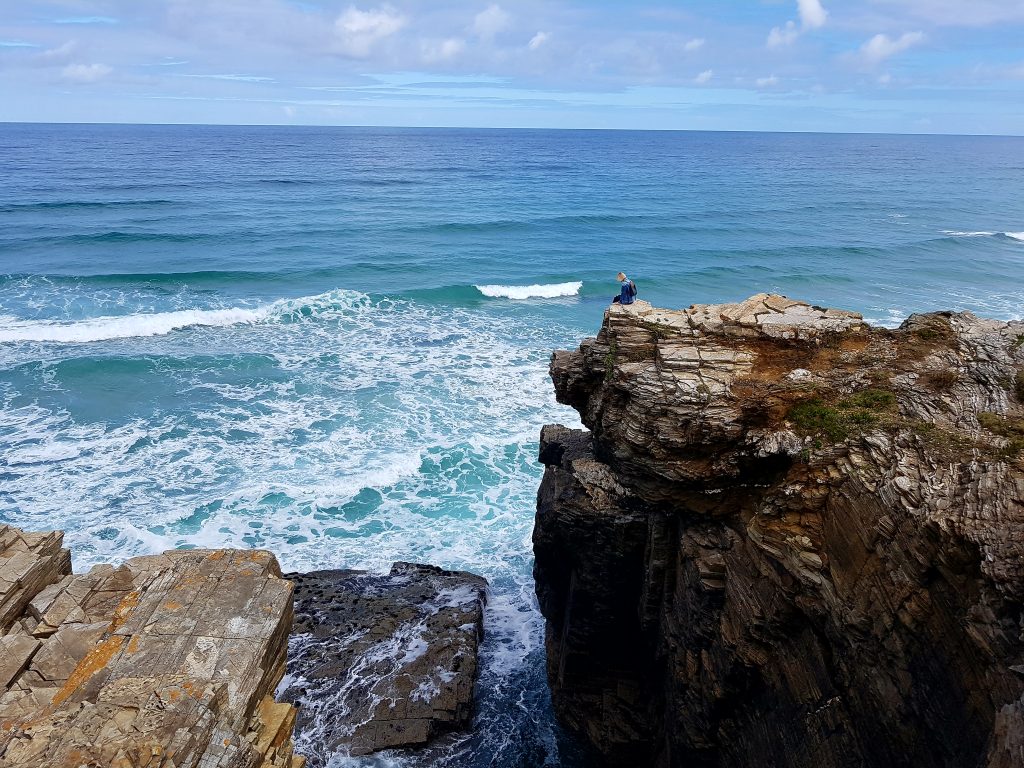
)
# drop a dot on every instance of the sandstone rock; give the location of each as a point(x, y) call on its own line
point(28, 563)
point(382, 661)
point(164, 661)
point(788, 539)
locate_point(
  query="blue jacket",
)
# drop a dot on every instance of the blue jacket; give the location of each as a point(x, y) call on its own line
point(626, 294)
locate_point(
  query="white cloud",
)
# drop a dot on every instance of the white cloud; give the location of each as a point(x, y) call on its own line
point(694, 45)
point(704, 77)
point(234, 77)
point(358, 31)
point(882, 47)
point(767, 82)
point(490, 22)
point(62, 54)
point(85, 73)
point(538, 40)
point(783, 36)
point(443, 50)
point(885, 79)
point(812, 14)
point(86, 20)
point(958, 13)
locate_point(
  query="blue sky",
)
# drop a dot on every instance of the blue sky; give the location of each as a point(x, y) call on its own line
point(917, 66)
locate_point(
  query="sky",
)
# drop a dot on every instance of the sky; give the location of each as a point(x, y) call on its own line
point(894, 66)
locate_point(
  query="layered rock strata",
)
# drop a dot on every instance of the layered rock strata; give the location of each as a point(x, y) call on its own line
point(382, 661)
point(787, 539)
point(167, 660)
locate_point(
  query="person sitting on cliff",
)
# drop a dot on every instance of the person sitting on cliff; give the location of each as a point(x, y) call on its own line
point(627, 295)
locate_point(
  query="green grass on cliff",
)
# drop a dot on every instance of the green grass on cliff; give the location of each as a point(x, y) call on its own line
point(840, 420)
point(609, 361)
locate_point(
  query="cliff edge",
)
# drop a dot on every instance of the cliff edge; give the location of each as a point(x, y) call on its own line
point(787, 539)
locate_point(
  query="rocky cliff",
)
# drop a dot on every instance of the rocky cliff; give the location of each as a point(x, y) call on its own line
point(787, 539)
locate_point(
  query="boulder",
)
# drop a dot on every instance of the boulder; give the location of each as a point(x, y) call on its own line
point(382, 661)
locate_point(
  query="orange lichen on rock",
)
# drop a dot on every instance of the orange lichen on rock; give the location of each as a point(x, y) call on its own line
point(124, 610)
point(141, 665)
point(98, 658)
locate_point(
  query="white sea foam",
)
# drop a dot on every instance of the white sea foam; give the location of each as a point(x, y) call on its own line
point(325, 431)
point(143, 325)
point(129, 326)
point(549, 291)
point(957, 233)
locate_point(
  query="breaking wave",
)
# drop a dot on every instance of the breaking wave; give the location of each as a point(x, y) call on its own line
point(551, 291)
point(161, 323)
point(1011, 235)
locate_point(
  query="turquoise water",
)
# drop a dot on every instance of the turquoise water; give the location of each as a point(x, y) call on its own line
point(333, 342)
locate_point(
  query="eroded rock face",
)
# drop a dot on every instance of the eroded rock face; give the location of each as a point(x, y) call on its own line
point(788, 539)
point(167, 660)
point(382, 661)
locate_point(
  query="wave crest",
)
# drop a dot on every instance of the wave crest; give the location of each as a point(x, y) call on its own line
point(161, 323)
point(550, 291)
point(1012, 235)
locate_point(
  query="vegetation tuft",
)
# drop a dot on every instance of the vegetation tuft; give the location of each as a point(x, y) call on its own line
point(1010, 428)
point(813, 417)
point(609, 361)
point(661, 332)
point(871, 399)
point(927, 334)
point(1018, 385)
point(943, 380)
point(850, 415)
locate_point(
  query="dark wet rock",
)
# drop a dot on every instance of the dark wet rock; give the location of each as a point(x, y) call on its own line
point(788, 539)
point(382, 661)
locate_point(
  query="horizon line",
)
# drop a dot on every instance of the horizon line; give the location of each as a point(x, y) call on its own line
point(506, 128)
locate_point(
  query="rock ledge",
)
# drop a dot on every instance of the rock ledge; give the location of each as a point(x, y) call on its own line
point(165, 660)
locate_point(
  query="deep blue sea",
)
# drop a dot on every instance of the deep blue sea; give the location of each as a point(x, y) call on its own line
point(333, 342)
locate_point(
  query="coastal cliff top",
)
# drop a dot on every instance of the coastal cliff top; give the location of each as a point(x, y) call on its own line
point(692, 406)
point(776, 364)
point(765, 314)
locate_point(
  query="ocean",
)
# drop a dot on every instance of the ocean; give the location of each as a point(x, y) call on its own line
point(333, 342)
